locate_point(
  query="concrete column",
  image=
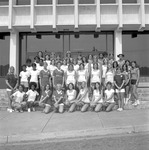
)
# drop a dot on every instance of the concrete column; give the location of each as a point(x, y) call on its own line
point(54, 2)
point(142, 14)
point(120, 13)
point(11, 14)
point(117, 43)
point(76, 14)
point(98, 13)
point(32, 7)
point(14, 50)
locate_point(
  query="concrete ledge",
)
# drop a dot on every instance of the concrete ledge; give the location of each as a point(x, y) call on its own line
point(72, 134)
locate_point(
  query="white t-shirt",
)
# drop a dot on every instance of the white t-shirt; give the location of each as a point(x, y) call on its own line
point(34, 76)
point(108, 94)
point(32, 95)
point(64, 68)
point(71, 94)
point(39, 68)
point(29, 69)
point(104, 70)
point(76, 67)
point(18, 96)
point(24, 76)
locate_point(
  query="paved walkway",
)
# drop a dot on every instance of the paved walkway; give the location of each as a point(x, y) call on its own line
point(34, 126)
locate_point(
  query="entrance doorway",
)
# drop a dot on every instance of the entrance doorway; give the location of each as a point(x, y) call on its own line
point(77, 42)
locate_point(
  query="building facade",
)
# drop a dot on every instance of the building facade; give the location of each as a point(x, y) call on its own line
point(115, 26)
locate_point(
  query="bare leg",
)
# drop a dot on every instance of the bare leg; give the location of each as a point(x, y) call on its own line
point(98, 107)
point(84, 108)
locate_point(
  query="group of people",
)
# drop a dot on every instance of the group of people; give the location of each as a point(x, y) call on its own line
point(96, 83)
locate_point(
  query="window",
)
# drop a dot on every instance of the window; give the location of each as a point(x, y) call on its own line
point(4, 2)
point(136, 48)
point(22, 2)
point(65, 1)
point(86, 1)
point(107, 1)
point(129, 1)
point(44, 2)
point(4, 57)
point(146, 1)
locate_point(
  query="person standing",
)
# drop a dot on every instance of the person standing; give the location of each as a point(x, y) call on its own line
point(134, 80)
point(12, 83)
point(45, 77)
point(119, 81)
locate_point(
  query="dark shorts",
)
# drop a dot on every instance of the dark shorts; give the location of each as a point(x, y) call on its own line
point(133, 81)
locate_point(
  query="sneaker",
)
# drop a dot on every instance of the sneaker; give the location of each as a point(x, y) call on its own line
point(33, 109)
point(119, 109)
point(10, 110)
point(138, 102)
point(29, 110)
point(135, 104)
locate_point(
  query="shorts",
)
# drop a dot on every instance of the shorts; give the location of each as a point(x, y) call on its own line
point(9, 90)
point(120, 91)
point(133, 81)
point(25, 84)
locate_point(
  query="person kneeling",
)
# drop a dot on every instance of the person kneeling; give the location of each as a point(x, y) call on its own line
point(109, 102)
point(58, 97)
point(45, 100)
point(96, 102)
point(17, 98)
point(82, 99)
point(70, 97)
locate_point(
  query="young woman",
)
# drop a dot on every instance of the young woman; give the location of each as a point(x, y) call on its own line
point(45, 77)
point(121, 60)
point(115, 66)
point(119, 81)
point(90, 59)
point(82, 75)
point(17, 98)
point(64, 66)
point(79, 59)
point(40, 55)
point(40, 66)
point(34, 75)
point(109, 102)
point(52, 67)
point(134, 79)
point(70, 97)
point(95, 75)
point(58, 97)
point(84, 61)
point(104, 70)
point(58, 75)
point(96, 102)
point(126, 73)
point(100, 59)
point(127, 62)
point(111, 58)
point(47, 59)
point(12, 83)
point(29, 65)
point(82, 99)
point(109, 77)
point(24, 77)
point(75, 64)
point(70, 75)
point(46, 99)
point(32, 97)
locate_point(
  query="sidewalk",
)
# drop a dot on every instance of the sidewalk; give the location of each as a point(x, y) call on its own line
point(34, 126)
